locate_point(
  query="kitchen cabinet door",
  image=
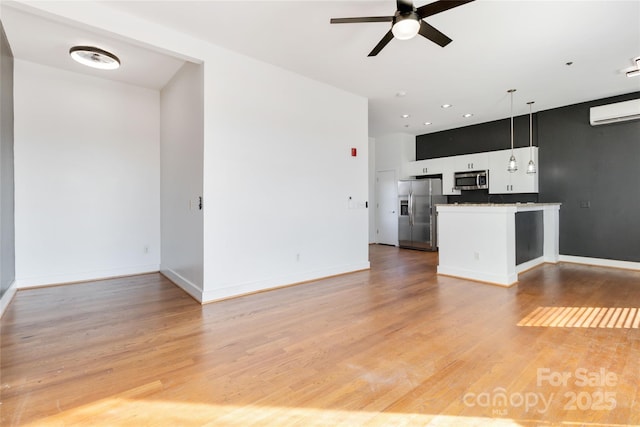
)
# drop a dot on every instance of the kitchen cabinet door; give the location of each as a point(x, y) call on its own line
point(502, 181)
point(471, 162)
point(423, 167)
point(448, 181)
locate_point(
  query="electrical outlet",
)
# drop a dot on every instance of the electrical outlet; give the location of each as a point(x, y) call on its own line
point(585, 204)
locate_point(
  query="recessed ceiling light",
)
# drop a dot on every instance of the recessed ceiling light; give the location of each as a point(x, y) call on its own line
point(94, 57)
point(405, 116)
point(466, 116)
point(446, 106)
point(427, 123)
point(401, 93)
point(568, 64)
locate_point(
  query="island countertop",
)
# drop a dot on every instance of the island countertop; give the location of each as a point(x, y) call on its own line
point(495, 207)
point(490, 205)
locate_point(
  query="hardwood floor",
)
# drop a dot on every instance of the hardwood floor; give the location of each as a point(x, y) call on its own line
point(396, 345)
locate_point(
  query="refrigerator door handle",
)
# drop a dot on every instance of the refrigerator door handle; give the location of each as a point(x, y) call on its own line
point(411, 209)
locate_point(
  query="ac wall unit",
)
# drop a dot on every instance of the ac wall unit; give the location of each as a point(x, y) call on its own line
point(613, 113)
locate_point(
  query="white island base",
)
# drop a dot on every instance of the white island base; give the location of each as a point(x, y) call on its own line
point(478, 241)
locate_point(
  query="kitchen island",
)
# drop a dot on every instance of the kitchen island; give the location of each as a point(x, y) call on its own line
point(494, 242)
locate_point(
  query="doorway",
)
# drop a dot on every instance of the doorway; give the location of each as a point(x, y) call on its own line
point(386, 209)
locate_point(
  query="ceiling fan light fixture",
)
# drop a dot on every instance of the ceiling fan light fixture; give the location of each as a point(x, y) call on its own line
point(405, 26)
point(94, 57)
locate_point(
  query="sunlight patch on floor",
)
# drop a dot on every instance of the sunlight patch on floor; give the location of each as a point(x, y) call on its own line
point(584, 317)
point(125, 412)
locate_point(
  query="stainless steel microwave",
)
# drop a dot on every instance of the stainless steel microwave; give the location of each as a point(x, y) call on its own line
point(475, 180)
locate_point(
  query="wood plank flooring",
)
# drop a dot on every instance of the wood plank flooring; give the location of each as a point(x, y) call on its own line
point(395, 345)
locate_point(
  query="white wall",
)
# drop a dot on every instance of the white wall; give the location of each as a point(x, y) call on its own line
point(393, 150)
point(7, 217)
point(372, 191)
point(278, 177)
point(277, 167)
point(181, 151)
point(87, 177)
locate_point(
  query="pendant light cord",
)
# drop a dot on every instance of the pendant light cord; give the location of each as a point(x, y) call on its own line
point(512, 121)
point(530, 131)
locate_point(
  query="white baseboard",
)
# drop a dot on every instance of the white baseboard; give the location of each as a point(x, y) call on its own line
point(282, 281)
point(84, 276)
point(495, 279)
point(600, 262)
point(7, 297)
point(183, 283)
point(530, 264)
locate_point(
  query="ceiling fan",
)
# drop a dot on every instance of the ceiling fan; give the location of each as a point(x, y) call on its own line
point(407, 22)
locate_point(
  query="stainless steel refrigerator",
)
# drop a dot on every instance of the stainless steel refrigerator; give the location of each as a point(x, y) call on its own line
point(417, 228)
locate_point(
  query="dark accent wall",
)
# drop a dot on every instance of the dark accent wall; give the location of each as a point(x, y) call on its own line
point(483, 196)
point(529, 236)
point(490, 136)
point(7, 222)
point(594, 171)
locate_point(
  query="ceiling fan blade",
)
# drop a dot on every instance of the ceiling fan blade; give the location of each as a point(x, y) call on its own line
point(382, 43)
point(404, 5)
point(439, 6)
point(363, 19)
point(433, 34)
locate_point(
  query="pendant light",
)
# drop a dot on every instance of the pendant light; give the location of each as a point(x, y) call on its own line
point(513, 165)
point(531, 167)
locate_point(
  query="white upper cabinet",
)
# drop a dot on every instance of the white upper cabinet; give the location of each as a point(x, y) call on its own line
point(471, 162)
point(447, 178)
point(502, 181)
point(424, 167)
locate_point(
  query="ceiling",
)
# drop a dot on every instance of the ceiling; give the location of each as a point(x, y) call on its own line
point(44, 41)
point(497, 45)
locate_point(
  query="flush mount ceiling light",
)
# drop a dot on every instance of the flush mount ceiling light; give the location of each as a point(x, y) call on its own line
point(446, 106)
point(513, 165)
point(94, 57)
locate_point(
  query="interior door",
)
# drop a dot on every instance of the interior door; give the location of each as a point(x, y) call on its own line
point(386, 209)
